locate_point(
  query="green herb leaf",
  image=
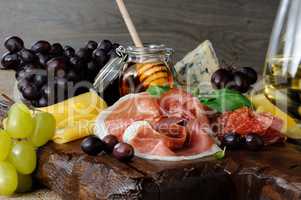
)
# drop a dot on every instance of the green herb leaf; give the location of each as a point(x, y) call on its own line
point(157, 91)
point(220, 154)
point(225, 100)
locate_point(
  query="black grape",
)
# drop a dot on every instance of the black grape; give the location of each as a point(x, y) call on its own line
point(13, 44)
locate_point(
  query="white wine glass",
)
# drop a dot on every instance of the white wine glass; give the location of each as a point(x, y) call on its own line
point(282, 73)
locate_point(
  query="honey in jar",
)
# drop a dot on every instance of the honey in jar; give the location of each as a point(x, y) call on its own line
point(145, 67)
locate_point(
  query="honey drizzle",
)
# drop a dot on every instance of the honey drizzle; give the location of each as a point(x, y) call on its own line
point(152, 74)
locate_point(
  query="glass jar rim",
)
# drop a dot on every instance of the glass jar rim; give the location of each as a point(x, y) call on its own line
point(149, 49)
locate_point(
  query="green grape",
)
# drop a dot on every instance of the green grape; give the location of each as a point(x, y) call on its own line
point(24, 183)
point(8, 178)
point(23, 157)
point(5, 144)
point(20, 124)
point(44, 129)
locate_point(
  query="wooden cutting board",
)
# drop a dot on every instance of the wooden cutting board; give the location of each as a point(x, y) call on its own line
point(272, 174)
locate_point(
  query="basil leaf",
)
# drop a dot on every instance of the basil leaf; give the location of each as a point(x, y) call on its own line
point(220, 154)
point(226, 100)
point(157, 91)
point(213, 104)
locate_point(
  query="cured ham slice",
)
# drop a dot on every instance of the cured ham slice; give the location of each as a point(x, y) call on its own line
point(128, 109)
point(178, 103)
point(173, 127)
point(150, 144)
point(175, 135)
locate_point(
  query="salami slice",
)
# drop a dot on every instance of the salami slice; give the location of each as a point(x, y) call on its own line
point(245, 121)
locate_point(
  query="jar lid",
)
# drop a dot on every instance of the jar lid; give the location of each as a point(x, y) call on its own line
point(149, 49)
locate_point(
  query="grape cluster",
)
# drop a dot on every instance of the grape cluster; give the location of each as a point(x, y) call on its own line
point(50, 73)
point(23, 133)
point(237, 79)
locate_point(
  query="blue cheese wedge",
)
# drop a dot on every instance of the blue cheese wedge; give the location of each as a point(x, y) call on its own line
point(195, 69)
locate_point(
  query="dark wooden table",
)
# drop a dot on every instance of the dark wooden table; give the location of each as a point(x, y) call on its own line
point(272, 174)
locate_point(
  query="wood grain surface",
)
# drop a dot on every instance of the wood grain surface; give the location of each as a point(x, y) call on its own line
point(273, 173)
point(239, 29)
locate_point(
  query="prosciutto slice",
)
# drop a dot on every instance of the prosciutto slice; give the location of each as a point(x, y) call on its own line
point(178, 103)
point(130, 108)
point(173, 127)
point(150, 144)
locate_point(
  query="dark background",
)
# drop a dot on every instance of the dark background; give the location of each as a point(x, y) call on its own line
point(238, 29)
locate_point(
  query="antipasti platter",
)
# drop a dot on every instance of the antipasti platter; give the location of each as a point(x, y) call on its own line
point(109, 121)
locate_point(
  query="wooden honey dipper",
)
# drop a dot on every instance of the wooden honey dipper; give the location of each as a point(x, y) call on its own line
point(152, 73)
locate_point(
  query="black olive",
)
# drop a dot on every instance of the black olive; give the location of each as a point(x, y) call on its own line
point(123, 152)
point(110, 142)
point(232, 141)
point(254, 142)
point(92, 145)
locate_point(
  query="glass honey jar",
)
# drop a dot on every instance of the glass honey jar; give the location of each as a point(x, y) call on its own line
point(144, 67)
point(134, 70)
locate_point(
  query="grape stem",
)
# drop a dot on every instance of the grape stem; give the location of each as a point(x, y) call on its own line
point(6, 97)
point(9, 102)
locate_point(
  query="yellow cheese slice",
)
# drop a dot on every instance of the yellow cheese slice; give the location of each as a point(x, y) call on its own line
point(75, 116)
point(77, 107)
point(290, 126)
point(76, 130)
point(70, 121)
